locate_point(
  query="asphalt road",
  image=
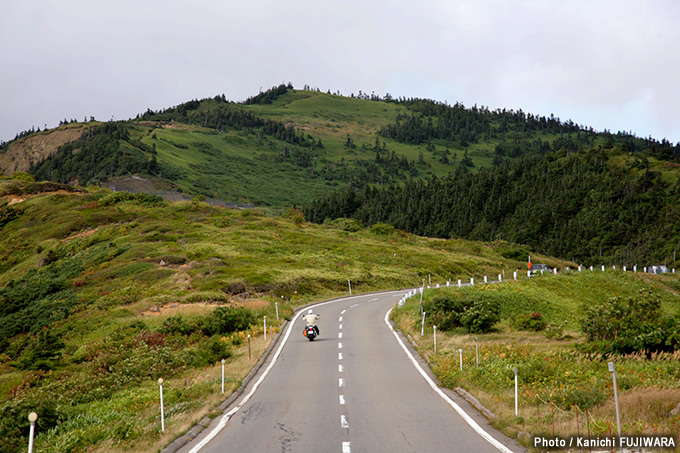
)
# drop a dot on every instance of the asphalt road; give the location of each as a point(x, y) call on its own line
point(354, 389)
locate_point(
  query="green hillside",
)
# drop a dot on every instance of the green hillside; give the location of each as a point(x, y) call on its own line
point(288, 147)
point(102, 293)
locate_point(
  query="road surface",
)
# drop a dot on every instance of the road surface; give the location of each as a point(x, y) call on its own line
point(354, 389)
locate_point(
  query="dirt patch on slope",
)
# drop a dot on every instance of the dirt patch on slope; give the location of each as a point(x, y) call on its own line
point(27, 151)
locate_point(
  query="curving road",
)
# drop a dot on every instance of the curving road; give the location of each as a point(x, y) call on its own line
point(354, 389)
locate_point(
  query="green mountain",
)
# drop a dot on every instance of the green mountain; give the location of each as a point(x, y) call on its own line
point(423, 166)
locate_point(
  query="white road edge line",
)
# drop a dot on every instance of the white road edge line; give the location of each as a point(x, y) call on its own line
point(225, 418)
point(473, 424)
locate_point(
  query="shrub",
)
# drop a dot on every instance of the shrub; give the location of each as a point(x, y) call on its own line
point(514, 252)
point(211, 350)
point(8, 213)
point(14, 421)
point(481, 317)
point(22, 176)
point(382, 229)
point(531, 321)
point(629, 325)
point(145, 199)
point(447, 312)
point(295, 215)
point(344, 224)
point(176, 325)
point(227, 319)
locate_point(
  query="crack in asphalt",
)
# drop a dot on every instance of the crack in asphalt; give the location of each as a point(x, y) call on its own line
point(251, 413)
point(288, 438)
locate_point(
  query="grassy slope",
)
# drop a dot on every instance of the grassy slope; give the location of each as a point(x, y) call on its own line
point(551, 372)
point(233, 167)
point(212, 256)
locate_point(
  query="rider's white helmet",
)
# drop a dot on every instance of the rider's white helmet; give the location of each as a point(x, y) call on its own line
point(309, 312)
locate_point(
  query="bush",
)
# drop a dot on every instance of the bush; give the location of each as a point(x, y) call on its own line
point(445, 311)
point(481, 317)
point(144, 199)
point(227, 319)
point(14, 424)
point(211, 350)
point(448, 312)
point(624, 326)
point(531, 321)
point(176, 325)
point(382, 229)
point(344, 224)
point(295, 215)
point(22, 176)
point(8, 213)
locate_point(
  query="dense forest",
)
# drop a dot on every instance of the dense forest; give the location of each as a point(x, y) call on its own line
point(577, 206)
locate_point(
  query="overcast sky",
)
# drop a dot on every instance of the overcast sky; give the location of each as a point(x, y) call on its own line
point(609, 64)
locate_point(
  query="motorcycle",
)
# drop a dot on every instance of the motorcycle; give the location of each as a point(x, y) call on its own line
point(309, 332)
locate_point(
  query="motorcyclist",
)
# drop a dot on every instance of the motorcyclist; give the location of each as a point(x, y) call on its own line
point(310, 318)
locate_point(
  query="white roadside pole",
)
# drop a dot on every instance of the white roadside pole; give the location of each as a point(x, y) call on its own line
point(435, 338)
point(349, 283)
point(516, 396)
point(612, 370)
point(477, 351)
point(160, 383)
point(32, 417)
point(422, 327)
point(277, 310)
point(265, 329)
point(223, 376)
point(460, 352)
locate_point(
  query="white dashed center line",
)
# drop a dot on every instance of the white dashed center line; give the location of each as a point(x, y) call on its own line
point(339, 355)
point(339, 345)
point(345, 447)
point(342, 399)
point(340, 335)
point(341, 382)
point(339, 368)
point(343, 422)
point(340, 319)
